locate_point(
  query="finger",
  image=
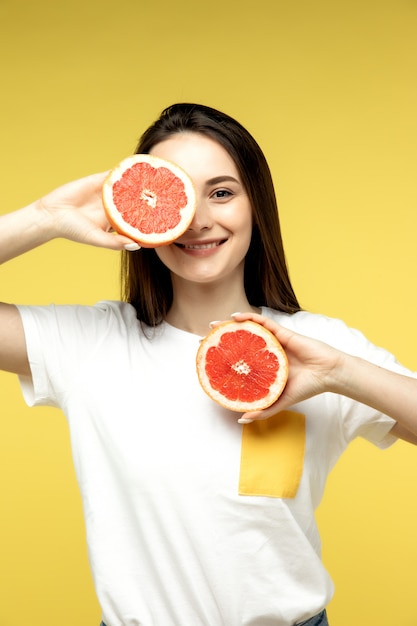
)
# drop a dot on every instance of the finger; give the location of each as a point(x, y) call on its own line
point(241, 317)
point(252, 416)
point(215, 323)
point(282, 334)
point(266, 322)
point(111, 241)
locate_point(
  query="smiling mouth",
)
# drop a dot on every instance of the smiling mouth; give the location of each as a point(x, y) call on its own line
point(201, 246)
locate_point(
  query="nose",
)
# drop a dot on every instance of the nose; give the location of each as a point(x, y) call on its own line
point(202, 219)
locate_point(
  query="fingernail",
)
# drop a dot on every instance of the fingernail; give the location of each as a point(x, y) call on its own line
point(244, 420)
point(132, 247)
point(212, 324)
point(236, 313)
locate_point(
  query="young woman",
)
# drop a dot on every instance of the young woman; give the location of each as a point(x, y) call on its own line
point(186, 522)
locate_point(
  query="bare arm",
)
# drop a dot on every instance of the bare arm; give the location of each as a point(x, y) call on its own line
point(316, 367)
point(73, 211)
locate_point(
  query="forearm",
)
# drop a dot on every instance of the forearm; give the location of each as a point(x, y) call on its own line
point(315, 367)
point(24, 230)
point(388, 392)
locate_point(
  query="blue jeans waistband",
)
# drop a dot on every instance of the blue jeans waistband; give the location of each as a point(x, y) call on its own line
point(317, 620)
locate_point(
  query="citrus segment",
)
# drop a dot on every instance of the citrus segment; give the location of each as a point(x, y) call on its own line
point(149, 199)
point(242, 366)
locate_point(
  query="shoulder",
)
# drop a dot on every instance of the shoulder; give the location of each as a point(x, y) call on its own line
point(116, 310)
point(82, 319)
point(315, 325)
point(336, 333)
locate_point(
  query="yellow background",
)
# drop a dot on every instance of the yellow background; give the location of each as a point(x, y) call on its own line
point(329, 90)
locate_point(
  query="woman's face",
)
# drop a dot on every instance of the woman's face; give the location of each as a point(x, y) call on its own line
point(215, 245)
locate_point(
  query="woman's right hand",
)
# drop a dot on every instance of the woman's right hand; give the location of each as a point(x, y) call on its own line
point(75, 211)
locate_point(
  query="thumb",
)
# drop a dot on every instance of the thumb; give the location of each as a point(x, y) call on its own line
point(110, 240)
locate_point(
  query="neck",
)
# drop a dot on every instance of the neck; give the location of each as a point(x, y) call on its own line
point(195, 306)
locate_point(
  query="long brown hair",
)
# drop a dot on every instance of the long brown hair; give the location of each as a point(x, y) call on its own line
point(146, 282)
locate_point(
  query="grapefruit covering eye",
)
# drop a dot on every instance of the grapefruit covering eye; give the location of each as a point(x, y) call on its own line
point(242, 366)
point(149, 199)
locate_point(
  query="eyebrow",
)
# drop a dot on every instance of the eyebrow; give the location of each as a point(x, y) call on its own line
point(221, 179)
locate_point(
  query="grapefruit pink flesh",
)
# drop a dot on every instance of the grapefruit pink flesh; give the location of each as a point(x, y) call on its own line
point(149, 199)
point(242, 366)
point(245, 378)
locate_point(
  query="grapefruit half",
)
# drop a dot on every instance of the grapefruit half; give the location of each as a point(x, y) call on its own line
point(149, 199)
point(242, 366)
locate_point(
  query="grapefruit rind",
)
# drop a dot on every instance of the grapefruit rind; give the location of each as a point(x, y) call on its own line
point(272, 346)
point(123, 227)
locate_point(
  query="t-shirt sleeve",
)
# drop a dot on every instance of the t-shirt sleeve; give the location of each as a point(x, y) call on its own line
point(355, 419)
point(60, 341)
point(360, 420)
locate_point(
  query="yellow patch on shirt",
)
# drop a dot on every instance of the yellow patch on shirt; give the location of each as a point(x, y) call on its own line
point(272, 456)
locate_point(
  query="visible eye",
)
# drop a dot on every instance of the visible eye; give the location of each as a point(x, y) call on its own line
point(221, 194)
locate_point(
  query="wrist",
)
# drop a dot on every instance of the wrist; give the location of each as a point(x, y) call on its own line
point(341, 375)
point(353, 377)
point(42, 223)
point(24, 230)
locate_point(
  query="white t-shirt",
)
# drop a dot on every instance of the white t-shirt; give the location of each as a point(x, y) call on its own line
point(171, 541)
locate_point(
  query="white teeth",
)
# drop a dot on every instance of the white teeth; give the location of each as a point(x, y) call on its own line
point(202, 246)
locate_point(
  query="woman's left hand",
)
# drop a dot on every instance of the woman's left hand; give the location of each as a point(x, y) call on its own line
point(312, 366)
point(315, 367)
